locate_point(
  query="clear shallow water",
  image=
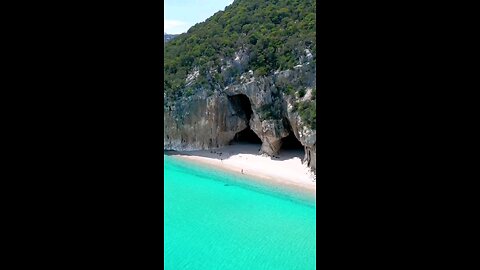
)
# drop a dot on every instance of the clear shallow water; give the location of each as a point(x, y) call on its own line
point(213, 221)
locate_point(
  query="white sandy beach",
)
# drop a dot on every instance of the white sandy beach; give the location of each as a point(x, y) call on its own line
point(287, 170)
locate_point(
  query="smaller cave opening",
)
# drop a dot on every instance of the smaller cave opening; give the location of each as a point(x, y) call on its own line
point(291, 143)
point(247, 136)
point(291, 147)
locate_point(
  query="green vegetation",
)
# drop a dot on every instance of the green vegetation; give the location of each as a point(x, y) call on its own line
point(308, 113)
point(269, 111)
point(273, 33)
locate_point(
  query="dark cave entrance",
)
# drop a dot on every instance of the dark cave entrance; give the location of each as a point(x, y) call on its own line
point(247, 136)
point(291, 143)
point(291, 146)
point(242, 107)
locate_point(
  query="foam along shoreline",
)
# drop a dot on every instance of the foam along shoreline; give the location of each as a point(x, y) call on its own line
point(286, 171)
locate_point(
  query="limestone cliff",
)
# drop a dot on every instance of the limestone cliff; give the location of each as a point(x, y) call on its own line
point(208, 121)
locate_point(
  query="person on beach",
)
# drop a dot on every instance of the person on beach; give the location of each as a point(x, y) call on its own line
point(242, 171)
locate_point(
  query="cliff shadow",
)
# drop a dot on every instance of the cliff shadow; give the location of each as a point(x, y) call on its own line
point(241, 106)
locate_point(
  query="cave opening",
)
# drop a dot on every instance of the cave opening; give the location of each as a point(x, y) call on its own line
point(291, 143)
point(247, 136)
point(242, 107)
point(291, 146)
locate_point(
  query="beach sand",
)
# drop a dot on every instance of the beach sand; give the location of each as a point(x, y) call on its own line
point(286, 171)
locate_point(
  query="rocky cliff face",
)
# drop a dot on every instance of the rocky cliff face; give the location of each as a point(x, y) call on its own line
point(167, 37)
point(210, 119)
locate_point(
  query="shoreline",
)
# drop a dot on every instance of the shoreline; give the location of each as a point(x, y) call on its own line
point(285, 171)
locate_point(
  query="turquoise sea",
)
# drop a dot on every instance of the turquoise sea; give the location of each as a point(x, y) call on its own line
point(214, 220)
